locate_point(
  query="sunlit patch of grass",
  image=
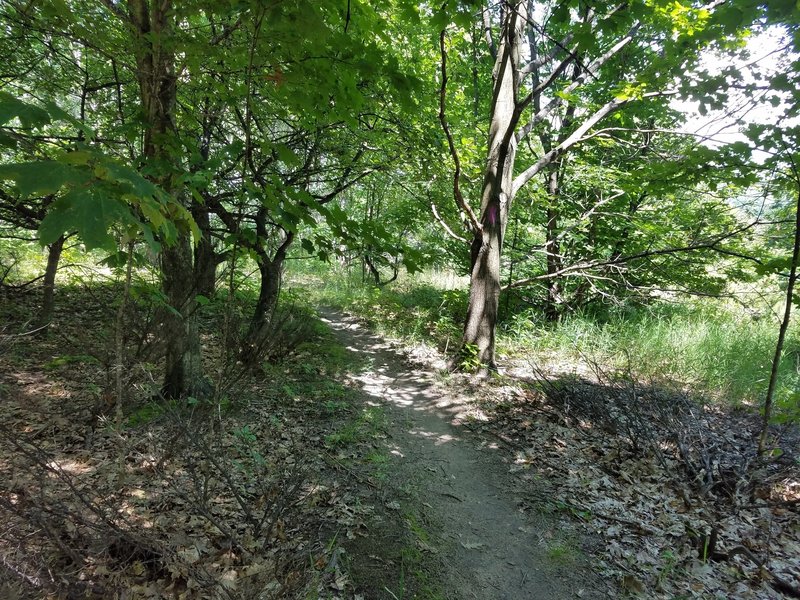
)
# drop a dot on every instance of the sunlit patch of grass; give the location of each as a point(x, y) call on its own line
point(379, 459)
point(415, 309)
point(369, 423)
point(713, 349)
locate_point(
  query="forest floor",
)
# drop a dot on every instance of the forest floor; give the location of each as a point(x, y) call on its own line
point(354, 467)
point(555, 481)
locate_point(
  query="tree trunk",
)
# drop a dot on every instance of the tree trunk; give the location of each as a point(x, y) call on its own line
point(552, 247)
point(48, 297)
point(271, 271)
point(155, 70)
point(497, 194)
point(257, 336)
point(373, 270)
point(205, 258)
point(787, 315)
point(183, 375)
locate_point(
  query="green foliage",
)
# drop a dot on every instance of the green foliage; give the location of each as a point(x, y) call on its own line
point(93, 191)
point(720, 351)
point(411, 309)
point(66, 360)
point(469, 359)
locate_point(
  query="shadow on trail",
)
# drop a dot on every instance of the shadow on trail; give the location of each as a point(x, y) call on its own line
point(487, 546)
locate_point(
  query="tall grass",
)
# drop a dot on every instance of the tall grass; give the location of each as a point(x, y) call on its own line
point(413, 309)
point(713, 348)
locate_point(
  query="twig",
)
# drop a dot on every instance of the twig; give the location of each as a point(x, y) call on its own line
point(390, 593)
point(449, 495)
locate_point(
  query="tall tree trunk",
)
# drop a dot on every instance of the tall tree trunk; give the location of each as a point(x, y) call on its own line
point(184, 370)
point(271, 271)
point(787, 315)
point(48, 296)
point(497, 193)
point(155, 70)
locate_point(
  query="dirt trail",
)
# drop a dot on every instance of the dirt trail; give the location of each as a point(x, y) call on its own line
point(487, 547)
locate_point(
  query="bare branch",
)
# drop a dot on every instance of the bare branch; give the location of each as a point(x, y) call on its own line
point(576, 137)
point(578, 81)
point(446, 227)
point(487, 33)
point(580, 269)
point(459, 198)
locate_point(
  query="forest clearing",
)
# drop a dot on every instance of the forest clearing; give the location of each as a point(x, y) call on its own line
point(396, 300)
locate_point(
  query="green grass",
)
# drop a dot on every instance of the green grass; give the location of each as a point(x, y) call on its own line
point(563, 553)
point(412, 310)
point(712, 348)
point(369, 423)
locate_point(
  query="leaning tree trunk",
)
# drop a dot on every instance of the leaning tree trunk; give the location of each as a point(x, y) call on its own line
point(48, 297)
point(258, 333)
point(497, 194)
point(155, 70)
point(552, 247)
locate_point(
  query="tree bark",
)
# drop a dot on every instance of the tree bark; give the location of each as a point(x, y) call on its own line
point(497, 193)
point(183, 375)
point(271, 271)
point(48, 296)
point(787, 315)
point(205, 258)
point(155, 70)
point(552, 247)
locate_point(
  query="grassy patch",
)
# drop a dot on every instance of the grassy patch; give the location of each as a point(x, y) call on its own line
point(416, 581)
point(713, 348)
point(563, 553)
point(410, 310)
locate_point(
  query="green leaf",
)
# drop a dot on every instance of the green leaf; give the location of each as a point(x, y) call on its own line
point(41, 177)
point(79, 158)
point(30, 116)
point(87, 212)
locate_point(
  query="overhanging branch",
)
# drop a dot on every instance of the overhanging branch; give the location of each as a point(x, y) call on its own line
point(576, 137)
point(582, 269)
point(459, 197)
point(446, 227)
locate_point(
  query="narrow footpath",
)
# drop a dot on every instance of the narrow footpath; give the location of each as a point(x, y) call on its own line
point(485, 543)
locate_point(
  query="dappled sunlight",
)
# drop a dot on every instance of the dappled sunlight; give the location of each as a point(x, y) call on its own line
point(72, 467)
point(437, 438)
